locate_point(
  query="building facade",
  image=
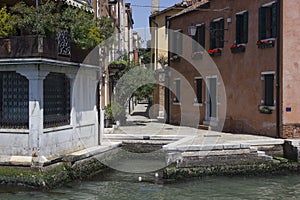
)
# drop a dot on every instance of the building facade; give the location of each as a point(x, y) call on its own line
point(253, 44)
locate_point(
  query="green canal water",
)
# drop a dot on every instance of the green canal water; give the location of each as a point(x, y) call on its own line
point(117, 185)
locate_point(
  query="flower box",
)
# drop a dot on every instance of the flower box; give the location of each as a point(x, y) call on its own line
point(263, 44)
point(197, 55)
point(238, 48)
point(175, 58)
point(264, 110)
point(215, 52)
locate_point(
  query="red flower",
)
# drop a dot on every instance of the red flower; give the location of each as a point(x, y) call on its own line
point(210, 51)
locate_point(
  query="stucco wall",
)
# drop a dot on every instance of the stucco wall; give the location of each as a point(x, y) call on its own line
point(241, 72)
point(291, 68)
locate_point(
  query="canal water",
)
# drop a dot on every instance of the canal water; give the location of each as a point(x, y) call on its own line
point(119, 186)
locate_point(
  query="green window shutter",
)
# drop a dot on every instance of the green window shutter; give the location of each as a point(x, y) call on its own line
point(202, 36)
point(180, 45)
point(174, 42)
point(245, 27)
point(238, 29)
point(212, 35)
point(195, 41)
point(222, 37)
point(262, 24)
point(274, 19)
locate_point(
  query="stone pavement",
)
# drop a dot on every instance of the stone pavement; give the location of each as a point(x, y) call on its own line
point(139, 126)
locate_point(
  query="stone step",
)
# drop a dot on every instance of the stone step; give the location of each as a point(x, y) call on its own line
point(204, 127)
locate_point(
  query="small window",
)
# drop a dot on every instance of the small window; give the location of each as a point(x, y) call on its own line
point(198, 82)
point(199, 37)
point(56, 100)
point(268, 21)
point(269, 89)
point(167, 24)
point(217, 34)
point(242, 28)
point(177, 42)
point(177, 91)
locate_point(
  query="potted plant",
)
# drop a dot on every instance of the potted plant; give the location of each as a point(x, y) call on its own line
point(215, 52)
point(237, 48)
point(108, 116)
point(268, 43)
point(264, 110)
point(197, 55)
point(175, 58)
point(118, 112)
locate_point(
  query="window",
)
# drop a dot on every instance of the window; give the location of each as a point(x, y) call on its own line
point(177, 91)
point(269, 89)
point(217, 34)
point(242, 28)
point(199, 37)
point(198, 82)
point(167, 24)
point(14, 98)
point(268, 21)
point(56, 100)
point(177, 42)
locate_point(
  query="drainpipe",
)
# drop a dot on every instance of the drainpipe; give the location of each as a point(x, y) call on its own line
point(156, 42)
point(278, 74)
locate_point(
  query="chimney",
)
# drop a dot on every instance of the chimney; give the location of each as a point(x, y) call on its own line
point(155, 6)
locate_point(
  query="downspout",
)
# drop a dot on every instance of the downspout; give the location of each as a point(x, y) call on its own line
point(156, 42)
point(278, 74)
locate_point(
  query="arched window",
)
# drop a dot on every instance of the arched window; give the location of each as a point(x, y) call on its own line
point(56, 100)
point(14, 98)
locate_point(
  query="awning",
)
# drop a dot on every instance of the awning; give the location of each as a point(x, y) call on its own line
point(86, 4)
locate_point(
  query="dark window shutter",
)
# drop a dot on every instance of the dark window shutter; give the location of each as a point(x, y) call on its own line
point(174, 42)
point(202, 36)
point(222, 33)
point(269, 90)
point(177, 90)
point(212, 35)
point(262, 23)
point(274, 19)
point(238, 28)
point(245, 27)
point(180, 42)
point(199, 90)
point(195, 41)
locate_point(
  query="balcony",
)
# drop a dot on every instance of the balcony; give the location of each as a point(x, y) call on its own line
point(58, 48)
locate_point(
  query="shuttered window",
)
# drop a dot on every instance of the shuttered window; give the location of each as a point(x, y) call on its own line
point(177, 42)
point(269, 89)
point(242, 28)
point(198, 82)
point(177, 91)
point(217, 34)
point(199, 38)
point(268, 17)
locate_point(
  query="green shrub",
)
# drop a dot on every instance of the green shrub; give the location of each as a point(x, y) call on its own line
point(6, 29)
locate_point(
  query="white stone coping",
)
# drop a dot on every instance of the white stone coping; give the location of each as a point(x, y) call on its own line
point(26, 61)
point(141, 137)
point(14, 131)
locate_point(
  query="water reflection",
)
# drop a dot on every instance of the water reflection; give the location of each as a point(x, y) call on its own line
point(117, 185)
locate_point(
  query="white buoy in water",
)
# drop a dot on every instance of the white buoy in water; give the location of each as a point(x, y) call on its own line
point(140, 178)
point(156, 175)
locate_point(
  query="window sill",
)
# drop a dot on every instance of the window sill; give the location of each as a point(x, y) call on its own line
point(177, 103)
point(198, 104)
point(14, 131)
point(60, 128)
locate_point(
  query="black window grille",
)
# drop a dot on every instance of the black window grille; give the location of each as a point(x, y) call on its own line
point(14, 98)
point(56, 100)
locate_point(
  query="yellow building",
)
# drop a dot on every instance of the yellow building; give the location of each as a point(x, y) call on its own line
point(159, 24)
